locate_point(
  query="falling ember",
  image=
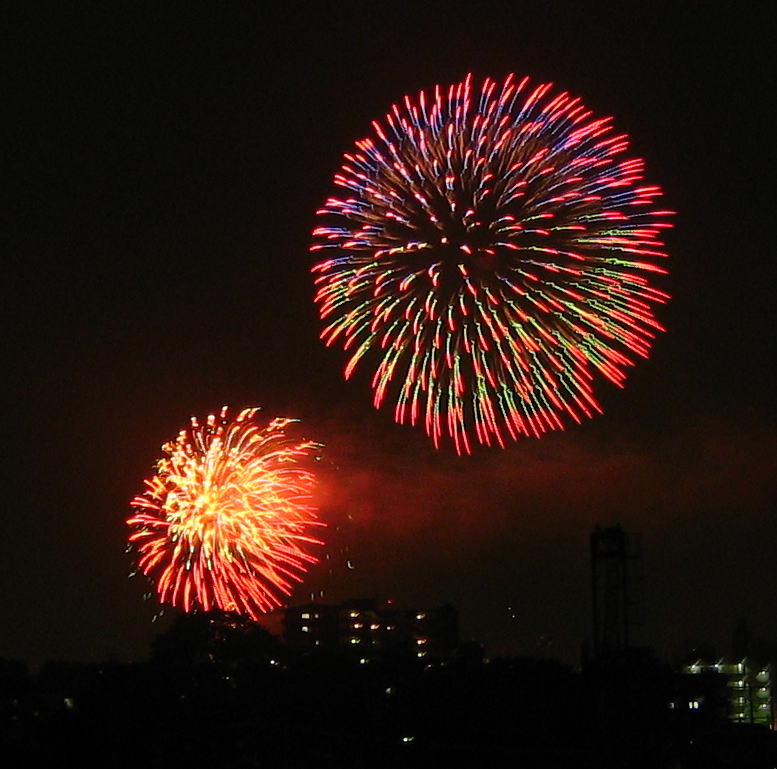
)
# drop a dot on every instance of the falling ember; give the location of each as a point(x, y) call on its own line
point(489, 254)
point(225, 523)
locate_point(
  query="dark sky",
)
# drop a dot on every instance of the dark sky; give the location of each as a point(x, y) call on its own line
point(163, 172)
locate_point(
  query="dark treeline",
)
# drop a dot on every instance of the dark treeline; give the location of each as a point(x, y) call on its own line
point(223, 694)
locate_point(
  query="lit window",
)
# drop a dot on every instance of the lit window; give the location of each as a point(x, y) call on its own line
point(305, 629)
point(420, 615)
point(317, 643)
point(389, 627)
point(306, 616)
point(363, 661)
point(355, 640)
point(421, 654)
point(353, 614)
point(374, 626)
point(357, 625)
point(409, 738)
point(421, 641)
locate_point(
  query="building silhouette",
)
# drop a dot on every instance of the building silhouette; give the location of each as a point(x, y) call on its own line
point(747, 689)
point(367, 628)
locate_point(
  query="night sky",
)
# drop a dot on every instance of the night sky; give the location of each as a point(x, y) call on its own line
point(163, 173)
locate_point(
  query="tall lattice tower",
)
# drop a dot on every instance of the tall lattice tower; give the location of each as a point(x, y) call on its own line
point(616, 581)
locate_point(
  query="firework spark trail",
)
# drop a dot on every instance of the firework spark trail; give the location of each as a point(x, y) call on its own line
point(225, 521)
point(489, 253)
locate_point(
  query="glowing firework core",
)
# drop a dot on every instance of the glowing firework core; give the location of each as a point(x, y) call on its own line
point(223, 523)
point(489, 250)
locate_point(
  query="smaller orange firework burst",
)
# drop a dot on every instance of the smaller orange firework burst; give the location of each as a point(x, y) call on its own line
point(225, 521)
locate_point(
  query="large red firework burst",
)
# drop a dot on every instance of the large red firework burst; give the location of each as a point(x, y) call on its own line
point(489, 254)
point(225, 521)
